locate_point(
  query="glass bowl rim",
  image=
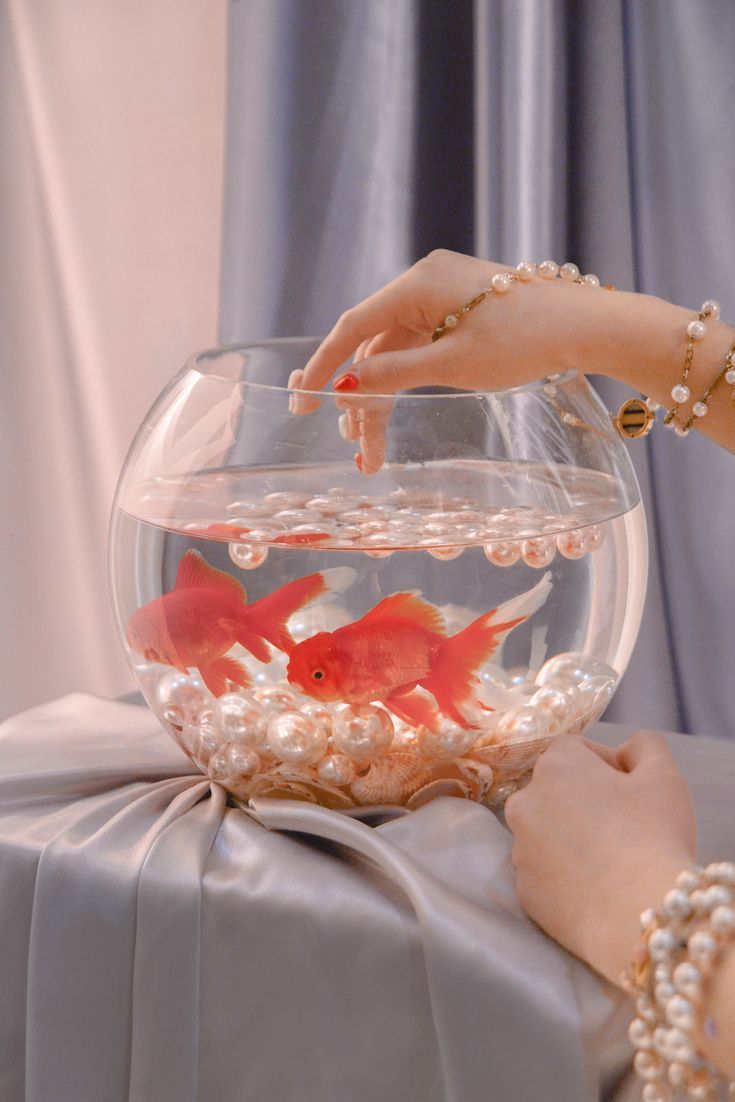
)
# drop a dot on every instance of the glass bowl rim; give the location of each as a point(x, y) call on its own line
point(193, 364)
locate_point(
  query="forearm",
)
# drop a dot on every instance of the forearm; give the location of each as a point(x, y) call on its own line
point(641, 340)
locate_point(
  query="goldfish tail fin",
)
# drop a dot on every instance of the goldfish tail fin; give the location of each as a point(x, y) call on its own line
point(453, 674)
point(414, 709)
point(219, 673)
point(269, 616)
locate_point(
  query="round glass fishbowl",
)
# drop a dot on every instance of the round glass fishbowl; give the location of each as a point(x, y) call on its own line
point(307, 631)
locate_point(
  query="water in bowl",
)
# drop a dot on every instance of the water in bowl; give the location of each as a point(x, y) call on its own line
point(297, 679)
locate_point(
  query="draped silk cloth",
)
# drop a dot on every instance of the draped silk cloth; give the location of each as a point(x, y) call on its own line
point(156, 943)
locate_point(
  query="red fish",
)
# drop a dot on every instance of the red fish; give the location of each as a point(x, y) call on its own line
point(400, 646)
point(206, 614)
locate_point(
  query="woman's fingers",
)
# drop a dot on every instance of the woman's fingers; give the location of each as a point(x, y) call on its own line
point(645, 749)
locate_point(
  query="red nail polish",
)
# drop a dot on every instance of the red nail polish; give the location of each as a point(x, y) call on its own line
point(347, 382)
point(358, 461)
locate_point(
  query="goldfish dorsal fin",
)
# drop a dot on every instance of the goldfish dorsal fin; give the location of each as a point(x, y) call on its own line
point(195, 573)
point(407, 606)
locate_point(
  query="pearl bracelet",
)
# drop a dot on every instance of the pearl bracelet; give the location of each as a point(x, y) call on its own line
point(668, 977)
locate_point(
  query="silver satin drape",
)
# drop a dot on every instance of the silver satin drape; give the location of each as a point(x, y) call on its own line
point(601, 132)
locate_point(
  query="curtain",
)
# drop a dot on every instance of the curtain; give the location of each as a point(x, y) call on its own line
point(111, 155)
point(361, 135)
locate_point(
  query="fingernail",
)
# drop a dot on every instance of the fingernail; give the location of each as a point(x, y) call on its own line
point(343, 424)
point(295, 378)
point(347, 382)
point(358, 461)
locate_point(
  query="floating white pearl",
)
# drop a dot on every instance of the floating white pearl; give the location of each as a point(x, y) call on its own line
point(243, 760)
point(525, 271)
point(336, 769)
point(285, 499)
point(572, 544)
point(318, 714)
point(295, 738)
point(501, 283)
point(548, 269)
point(450, 741)
point(538, 552)
point(680, 393)
point(699, 409)
point(239, 721)
point(362, 731)
point(697, 330)
point(569, 271)
point(505, 553)
point(445, 554)
point(248, 556)
point(595, 535)
point(711, 308)
point(592, 280)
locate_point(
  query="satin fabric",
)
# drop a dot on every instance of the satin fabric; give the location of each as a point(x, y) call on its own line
point(156, 943)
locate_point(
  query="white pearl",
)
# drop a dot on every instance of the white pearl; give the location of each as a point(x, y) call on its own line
point(688, 979)
point(697, 330)
point(680, 1011)
point(649, 1065)
point(661, 942)
point(726, 872)
point(699, 409)
point(572, 544)
point(248, 556)
point(219, 767)
point(336, 769)
point(523, 722)
point(501, 283)
point(185, 693)
point(451, 321)
point(526, 271)
point(548, 269)
point(662, 992)
point(652, 404)
point(569, 271)
point(716, 896)
point(592, 280)
point(450, 741)
point(687, 880)
point(209, 739)
point(362, 731)
point(505, 553)
point(239, 721)
point(662, 973)
point(676, 904)
point(243, 760)
point(701, 946)
point(660, 1038)
point(723, 920)
point(730, 376)
point(639, 1034)
point(273, 699)
point(711, 308)
point(678, 1042)
point(677, 1075)
point(538, 552)
point(297, 739)
point(656, 1092)
point(680, 393)
point(646, 1010)
point(445, 554)
point(680, 430)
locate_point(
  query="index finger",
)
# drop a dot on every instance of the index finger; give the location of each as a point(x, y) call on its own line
point(373, 315)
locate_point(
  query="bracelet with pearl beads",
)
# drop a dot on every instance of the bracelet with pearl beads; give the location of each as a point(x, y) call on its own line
point(683, 941)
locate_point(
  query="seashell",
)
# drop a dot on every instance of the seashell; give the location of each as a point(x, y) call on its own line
point(435, 789)
point(510, 758)
point(391, 779)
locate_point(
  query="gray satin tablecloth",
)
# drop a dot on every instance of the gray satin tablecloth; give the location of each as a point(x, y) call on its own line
point(157, 945)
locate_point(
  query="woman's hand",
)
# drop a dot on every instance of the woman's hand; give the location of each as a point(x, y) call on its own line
point(537, 328)
point(599, 836)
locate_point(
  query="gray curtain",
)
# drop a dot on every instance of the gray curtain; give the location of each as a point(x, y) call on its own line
point(363, 133)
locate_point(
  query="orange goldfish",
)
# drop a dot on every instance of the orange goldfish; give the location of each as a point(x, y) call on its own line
point(206, 614)
point(401, 646)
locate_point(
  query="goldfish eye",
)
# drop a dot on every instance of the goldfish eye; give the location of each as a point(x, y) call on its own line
point(318, 675)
